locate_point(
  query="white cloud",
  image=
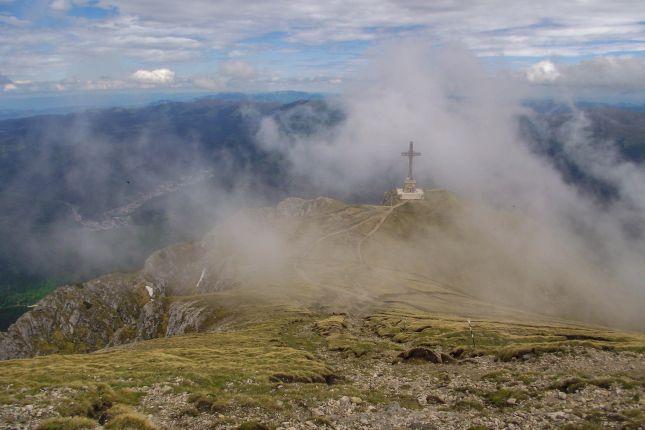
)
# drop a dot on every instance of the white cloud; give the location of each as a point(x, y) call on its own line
point(616, 72)
point(101, 84)
point(160, 33)
point(544, 71)
point(60, 5)
point(490, 27)
point(608, 71)
point(155, 77)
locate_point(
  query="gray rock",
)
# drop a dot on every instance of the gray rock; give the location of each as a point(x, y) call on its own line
point(186, 317)
point(393, 408)
point(559, 415)
point(150, 320)
point(420, 353)
point(435, 399)
point(110, 310)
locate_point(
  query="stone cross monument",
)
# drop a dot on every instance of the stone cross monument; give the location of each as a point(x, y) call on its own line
point(409, 190)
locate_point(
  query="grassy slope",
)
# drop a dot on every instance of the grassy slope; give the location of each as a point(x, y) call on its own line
point(272, 345)
point(257, 350)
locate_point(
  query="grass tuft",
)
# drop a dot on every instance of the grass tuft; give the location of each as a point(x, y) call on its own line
point(131, 421)
point(500, 397)
point(67, 423)
point(464, 405)
point(570, 385)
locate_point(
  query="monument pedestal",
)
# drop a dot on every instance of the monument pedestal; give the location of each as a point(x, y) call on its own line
point(409, 190)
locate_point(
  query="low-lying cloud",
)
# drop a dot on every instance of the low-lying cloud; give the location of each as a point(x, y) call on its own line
point(465, 123)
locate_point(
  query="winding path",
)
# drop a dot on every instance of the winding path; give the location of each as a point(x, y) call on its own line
point(302, 273)
point(359, 246)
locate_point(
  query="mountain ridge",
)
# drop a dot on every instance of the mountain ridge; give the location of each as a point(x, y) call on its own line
point(317, 253)
point(318, 313)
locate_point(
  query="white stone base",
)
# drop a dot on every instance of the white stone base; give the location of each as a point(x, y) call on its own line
point(415, 195)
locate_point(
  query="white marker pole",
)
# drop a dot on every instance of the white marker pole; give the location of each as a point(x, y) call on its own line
point(472, 336)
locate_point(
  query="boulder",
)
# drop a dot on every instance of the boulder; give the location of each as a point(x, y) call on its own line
point(421, 354)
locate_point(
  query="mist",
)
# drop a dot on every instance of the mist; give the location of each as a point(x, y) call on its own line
point(85, 194)
point(564, 242)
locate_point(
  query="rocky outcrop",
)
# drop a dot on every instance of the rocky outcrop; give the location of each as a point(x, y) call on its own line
point(106, 311)
point(187, 317)
point(421, 354)
point(178, 266)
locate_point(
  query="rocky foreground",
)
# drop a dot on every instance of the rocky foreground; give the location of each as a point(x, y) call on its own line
point(479, 394)
point(333, 373)
point(319, 314)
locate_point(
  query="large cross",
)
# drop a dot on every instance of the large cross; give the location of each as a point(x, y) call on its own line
point(410, 154)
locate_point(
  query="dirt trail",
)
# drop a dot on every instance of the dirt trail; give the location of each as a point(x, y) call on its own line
point(359, 247)
point(302, 273)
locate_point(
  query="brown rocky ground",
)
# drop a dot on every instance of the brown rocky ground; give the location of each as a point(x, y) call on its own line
point(576, 385)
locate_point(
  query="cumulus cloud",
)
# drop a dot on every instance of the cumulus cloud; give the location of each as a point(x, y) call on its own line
point(154, 77)
point(617, 72)
point(541, 72)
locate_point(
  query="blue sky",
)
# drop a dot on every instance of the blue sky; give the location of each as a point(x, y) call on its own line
point(89, 46)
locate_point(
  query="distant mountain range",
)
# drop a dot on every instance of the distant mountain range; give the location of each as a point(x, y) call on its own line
point(25, 106)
